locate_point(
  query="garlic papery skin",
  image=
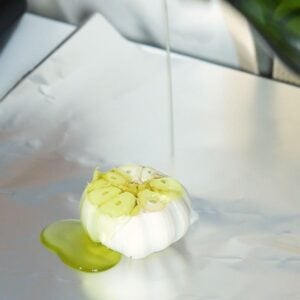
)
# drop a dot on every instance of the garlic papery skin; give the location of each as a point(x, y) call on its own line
point(147, 230)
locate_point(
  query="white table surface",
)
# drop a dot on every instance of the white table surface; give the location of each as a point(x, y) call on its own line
point(33, 39)
point(102, 101)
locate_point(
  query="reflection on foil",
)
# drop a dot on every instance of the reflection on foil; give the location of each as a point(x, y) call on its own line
point(160, 276)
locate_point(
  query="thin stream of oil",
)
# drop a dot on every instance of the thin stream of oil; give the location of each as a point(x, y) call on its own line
point(68, 239)
point(169, 86)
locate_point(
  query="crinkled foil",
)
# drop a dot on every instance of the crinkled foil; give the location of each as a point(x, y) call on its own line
point(100, 100)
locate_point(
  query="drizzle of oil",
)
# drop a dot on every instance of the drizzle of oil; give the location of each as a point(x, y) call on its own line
point(70, 242)
point(68, 239)
point(169, 85)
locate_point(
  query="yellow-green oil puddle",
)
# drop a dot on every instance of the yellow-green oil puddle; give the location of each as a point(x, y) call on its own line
point(71, 243)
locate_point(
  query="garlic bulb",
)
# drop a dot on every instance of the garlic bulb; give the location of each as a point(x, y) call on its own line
point(135, 210)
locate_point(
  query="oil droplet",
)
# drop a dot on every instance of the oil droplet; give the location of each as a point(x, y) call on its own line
point(71, 243)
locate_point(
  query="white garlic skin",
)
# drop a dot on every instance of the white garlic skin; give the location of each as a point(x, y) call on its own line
point(140, 235)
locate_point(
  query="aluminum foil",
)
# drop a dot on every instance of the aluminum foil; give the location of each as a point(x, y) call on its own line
point(100, 100)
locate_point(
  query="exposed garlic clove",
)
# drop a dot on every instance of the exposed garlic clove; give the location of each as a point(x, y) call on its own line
point(120, 205)
point(150, 201)
point(134, 171)
point(101, 195)
point(149, 173)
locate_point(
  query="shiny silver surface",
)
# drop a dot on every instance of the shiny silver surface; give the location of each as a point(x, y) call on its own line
point(102, 101)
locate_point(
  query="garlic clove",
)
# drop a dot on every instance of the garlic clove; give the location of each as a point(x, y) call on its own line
point(149, 173)
point(116, 178)
point(97, 184)
point(132, 188)
point(166, 184)
point(97, 174)
point(150, 201)
point(134, 171)
point(100, 195)
point(120, 205)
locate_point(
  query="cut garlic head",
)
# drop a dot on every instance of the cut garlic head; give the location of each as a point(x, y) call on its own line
point(135, 210)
